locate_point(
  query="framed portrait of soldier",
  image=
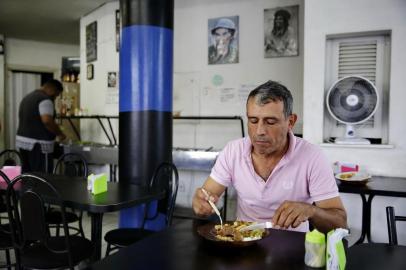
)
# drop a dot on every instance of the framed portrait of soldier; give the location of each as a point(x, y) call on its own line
point(223, 40)
point(281, 31)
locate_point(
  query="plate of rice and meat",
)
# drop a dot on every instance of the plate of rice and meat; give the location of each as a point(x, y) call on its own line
point(230, 235)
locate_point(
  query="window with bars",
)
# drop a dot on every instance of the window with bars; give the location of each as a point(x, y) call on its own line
point(362, 55)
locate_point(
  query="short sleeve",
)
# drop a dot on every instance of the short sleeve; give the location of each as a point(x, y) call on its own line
point(222, 170)
point(322, 184)
point(46, 107)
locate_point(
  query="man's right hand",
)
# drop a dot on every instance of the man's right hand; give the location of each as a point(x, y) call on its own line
point(200, 205)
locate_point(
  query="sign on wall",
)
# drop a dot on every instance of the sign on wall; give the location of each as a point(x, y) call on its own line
point(91, 42)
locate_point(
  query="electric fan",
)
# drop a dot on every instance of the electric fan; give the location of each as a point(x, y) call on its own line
point(352, 100)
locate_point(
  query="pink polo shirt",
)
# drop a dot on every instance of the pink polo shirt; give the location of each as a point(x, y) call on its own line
point(303, 174)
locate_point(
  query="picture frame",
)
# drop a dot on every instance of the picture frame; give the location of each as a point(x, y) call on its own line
point(223, 41)
point(90, 71)
point(91, 42)
point(118, 30)
point(281, 28)
point(112, 79)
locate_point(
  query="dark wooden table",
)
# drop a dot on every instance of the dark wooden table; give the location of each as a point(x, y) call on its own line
point(181, 248)
point(74, 192)
point(376, 256)
point(378, 186)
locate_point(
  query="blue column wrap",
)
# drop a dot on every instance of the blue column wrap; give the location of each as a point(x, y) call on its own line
point(146, 84)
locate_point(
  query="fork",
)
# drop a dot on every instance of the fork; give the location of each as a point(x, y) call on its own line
point(216, 210)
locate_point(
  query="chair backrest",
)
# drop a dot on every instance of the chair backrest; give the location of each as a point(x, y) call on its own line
point(26, 198)
point(166, 174)
point(391, 219)
point(10, 157)
point(71, 164)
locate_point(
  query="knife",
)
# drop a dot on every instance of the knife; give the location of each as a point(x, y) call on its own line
point(256, 226)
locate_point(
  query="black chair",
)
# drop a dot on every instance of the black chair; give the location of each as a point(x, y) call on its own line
point(10, 157)
point(123, 237)
point(6, 243)
point(391, 219)
point(26, 197)
point(69, 164)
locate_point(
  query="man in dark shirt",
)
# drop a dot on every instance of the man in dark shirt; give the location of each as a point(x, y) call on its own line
point(37, 129)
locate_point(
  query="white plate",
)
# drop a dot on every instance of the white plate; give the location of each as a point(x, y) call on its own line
point(353, 177)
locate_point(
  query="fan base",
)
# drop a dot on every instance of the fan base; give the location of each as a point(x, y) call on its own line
point(354, 140)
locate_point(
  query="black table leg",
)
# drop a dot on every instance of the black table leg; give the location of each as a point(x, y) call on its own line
point(368, 228)
point(97, 222)
point(366, 219)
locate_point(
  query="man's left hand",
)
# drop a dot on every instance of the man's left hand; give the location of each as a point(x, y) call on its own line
point(292, 214)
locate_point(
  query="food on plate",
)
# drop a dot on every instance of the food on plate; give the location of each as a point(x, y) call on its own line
point(346, 176)
point(231, 232)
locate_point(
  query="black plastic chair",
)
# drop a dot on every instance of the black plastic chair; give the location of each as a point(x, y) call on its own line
point(391, 219)
point(69, 164)
point(10, 157)
point(123, 237)
point(6, 243)
point(26, 198)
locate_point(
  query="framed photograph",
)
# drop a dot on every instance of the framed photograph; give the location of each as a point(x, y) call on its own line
point(118, 30)
point(223, 40)
point(89, 72)
point(112, 79)
point(281, 31)
point(91, 42)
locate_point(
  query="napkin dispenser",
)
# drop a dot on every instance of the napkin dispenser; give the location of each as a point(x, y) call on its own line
point(97, 183)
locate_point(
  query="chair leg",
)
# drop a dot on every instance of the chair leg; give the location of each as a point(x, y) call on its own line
point(391, 221)
point(82, 233)
point(108, 249)
point(8, 260)
point(57, 230)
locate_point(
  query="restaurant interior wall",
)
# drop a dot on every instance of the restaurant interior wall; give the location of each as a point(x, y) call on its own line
point(31, 55)
point(323, 18)
point(95, 95)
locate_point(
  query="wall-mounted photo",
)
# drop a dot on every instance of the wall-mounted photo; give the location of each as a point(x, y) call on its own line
point(91, 42)
point(111, 79)
point(117, 30)
point(89, 71)
point(281, 31)
point(223, 40)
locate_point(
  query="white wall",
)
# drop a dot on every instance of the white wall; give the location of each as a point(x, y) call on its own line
point(94, 93)
point(194, 92)
point(347, 16)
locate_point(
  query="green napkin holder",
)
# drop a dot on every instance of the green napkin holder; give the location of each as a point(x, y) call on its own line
point(97, 184)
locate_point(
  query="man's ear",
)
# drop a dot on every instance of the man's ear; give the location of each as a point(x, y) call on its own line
point(292, 120)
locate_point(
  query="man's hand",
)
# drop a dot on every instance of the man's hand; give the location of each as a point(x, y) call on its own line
point(200, 205)
point(292, 214)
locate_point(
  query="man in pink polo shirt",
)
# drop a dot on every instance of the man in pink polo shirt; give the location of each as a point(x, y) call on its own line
point(278, 177)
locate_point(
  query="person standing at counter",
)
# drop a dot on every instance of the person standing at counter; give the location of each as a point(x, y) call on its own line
point(37, 128)
point(278, 177)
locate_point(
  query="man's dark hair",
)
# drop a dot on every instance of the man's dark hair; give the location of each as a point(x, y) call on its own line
point(54, 84)
point(283, 13)
point(271, 92)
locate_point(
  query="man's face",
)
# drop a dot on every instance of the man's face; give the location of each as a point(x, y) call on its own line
point(222, 37)
point(268, 127)
point(279, 22)
point(54, 93)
